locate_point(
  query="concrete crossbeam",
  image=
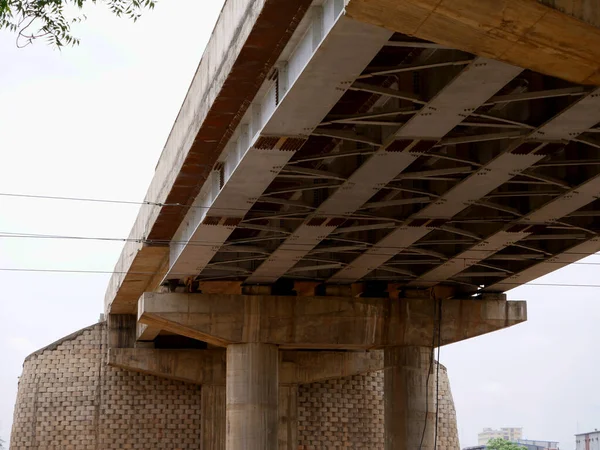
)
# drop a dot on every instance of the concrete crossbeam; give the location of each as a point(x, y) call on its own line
point(324, 322)
point(207, 367)
point(524, 33)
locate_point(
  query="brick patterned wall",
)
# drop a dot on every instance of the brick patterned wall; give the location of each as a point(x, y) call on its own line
point(447, 428)
point(342, 414)
point(348, 413)
point(69, 399)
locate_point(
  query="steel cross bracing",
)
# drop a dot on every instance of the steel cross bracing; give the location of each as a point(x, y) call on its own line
point(476, 83)
point(518, 156)
point(411, 163)
point(572, 122)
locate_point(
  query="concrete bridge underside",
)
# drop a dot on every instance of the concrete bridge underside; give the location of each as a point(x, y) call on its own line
point(355, 176)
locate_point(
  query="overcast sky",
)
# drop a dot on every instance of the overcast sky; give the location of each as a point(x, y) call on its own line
point(91, 122)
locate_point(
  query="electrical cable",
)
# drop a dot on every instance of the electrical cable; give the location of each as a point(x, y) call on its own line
point(131, 202)
point(199, 243)
point(437, 376)
point(117, 272)
point(429, 370)
point(308, 209)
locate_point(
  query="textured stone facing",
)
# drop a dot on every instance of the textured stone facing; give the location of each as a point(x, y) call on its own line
point(447, 428)
point(69, 399)
point(341, 414)
point(348, 413)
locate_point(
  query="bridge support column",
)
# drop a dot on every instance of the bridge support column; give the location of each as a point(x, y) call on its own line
point(252, 396)
point(212, 417)
point(288, 417)
point(409, 404)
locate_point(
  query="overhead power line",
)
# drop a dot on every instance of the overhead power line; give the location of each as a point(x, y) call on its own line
point(113, 272)
point(201, 243)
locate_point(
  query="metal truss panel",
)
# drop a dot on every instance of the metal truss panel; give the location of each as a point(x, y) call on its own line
point(556, 262)
point(365, 182)
point(339, 59)
point(319, 71)
point(480, 183)
point(216, 211)
point(485, 180)
point(376, 256)
point(580, 117)
point(468, 90)
point(548, 213)
point(567, 203)
point(468, 258)
point(475, 84)
point(243, 191)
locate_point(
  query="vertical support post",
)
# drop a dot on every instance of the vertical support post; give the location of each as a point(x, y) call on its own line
point(252, 396)
point(409, 398)
point(288, 417)
point(121, 330)
point(212, 417)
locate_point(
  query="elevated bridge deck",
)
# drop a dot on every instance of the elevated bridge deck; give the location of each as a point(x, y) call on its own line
point(317, 148)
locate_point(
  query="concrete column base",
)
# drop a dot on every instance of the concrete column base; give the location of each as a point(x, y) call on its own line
point(288, 417)
point(252, 397)
point(409, 402)
point(212, 418)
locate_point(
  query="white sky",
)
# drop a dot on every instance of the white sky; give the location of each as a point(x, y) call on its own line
point(91, 122)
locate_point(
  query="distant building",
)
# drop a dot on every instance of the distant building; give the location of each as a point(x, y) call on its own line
point(547, 445)
point(588, 441)
point(524, 445)
point(509, 434)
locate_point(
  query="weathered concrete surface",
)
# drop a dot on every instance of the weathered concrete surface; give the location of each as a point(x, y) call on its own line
point(121, 330)
point(212, 418)
point(586, 10)
point(288, 418)
point(298, 367)
point(247, 39)
point(252, 397)
point(207, 367)
point(408, 401)
point(525, 33)
point(324, 322)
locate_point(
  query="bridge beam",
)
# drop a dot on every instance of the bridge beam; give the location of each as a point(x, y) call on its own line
point(524, 33)
point(207, 367)
point(324, 322)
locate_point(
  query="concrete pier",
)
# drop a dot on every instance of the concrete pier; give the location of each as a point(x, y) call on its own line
point(409, 403)
point(213, 417)
point(252, 397)
point(288, 418)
